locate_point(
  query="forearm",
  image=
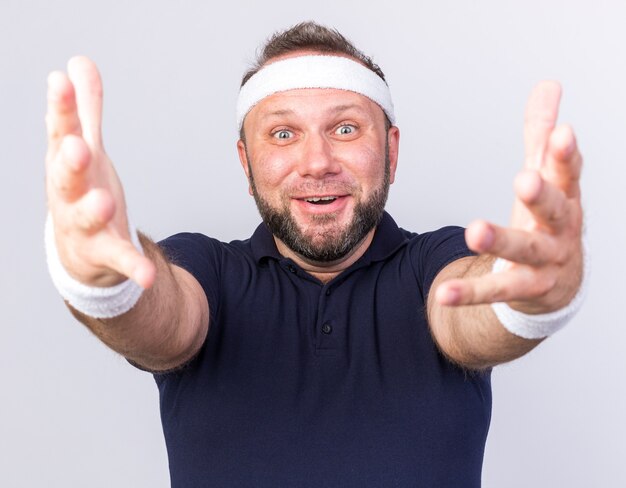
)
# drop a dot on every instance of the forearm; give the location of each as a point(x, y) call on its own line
point(472, 336)
point(91, 245)
point(540, 287)
point(167, 325)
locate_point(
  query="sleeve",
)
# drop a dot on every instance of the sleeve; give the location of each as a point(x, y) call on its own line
point(433, 251)
point(201, 256)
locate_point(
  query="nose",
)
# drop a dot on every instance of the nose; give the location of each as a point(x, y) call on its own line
point(317, 158)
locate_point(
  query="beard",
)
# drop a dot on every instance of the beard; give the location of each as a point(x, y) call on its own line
point(329, 241)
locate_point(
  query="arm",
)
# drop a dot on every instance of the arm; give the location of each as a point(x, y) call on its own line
point(86, 202)
point(542, 245)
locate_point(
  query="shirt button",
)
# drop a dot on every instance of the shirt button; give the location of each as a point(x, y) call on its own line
point(327, 328)
point(292, 268)
point(327, 291)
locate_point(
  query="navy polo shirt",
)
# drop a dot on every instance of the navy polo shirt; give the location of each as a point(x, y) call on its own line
point(306, 384)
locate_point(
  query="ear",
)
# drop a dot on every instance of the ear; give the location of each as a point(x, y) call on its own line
point(393, 143)
point(243, 159)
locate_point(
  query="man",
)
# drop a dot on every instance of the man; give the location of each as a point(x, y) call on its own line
point(331, 348)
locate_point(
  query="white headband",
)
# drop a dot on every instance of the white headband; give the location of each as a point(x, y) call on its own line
point(313, 72)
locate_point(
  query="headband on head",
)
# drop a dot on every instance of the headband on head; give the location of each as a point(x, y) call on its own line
point(315, 71)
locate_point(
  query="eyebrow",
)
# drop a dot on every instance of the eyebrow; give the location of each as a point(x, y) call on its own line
point(343, 108)
point(336, 109)
point(278, 113)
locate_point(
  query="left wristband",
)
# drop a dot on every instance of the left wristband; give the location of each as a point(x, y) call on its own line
point(94, 301)
point(539, 326)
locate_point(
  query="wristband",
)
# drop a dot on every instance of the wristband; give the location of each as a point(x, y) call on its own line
point(97, 302)
point(538, 326)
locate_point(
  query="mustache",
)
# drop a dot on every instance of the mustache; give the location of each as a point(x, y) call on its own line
point(326, 186)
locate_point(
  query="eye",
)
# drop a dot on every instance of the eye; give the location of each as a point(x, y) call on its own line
point(283, 134)
point(345, 129)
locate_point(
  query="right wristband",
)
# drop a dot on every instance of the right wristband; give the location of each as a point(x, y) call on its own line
point(538, 326)
point(97, 302)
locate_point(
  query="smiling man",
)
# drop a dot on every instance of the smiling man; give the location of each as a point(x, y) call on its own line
point(321, 170)
point(332, 348)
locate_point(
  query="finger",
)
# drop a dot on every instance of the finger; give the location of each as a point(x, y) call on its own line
point(548, 204)
point(92, 212)
point(539, 120)
point(122, 256)
point(88, 86)
point(61, 117)
point(532, 248)
point(67, 172)
point(564, 161)
point(517, 284)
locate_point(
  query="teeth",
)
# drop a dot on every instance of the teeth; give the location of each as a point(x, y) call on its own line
point(320, 199)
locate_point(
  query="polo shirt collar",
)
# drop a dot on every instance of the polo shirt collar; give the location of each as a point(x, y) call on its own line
point(387, 239)
point(263, 244)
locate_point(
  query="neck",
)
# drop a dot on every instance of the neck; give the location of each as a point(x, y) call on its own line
point(326, 271)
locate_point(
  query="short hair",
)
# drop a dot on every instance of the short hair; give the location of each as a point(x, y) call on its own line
point(308, 36)
point(313, 37)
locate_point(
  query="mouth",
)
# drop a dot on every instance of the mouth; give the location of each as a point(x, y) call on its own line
point(321, 200)
point(321, 204)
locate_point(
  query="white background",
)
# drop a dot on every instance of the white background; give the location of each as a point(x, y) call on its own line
point(72, 413)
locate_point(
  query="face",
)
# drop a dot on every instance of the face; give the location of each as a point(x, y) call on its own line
point(319, 163)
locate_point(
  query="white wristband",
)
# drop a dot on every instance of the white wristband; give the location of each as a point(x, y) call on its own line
point(538, 326)
point(97, 302)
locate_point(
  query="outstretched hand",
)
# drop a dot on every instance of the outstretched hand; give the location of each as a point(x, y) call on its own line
point(85, 196)
point(542, 245)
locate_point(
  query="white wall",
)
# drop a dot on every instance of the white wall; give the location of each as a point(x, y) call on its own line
point(72, 413)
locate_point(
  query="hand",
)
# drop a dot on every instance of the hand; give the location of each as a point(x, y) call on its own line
point(85, 196)
point(543, 242)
